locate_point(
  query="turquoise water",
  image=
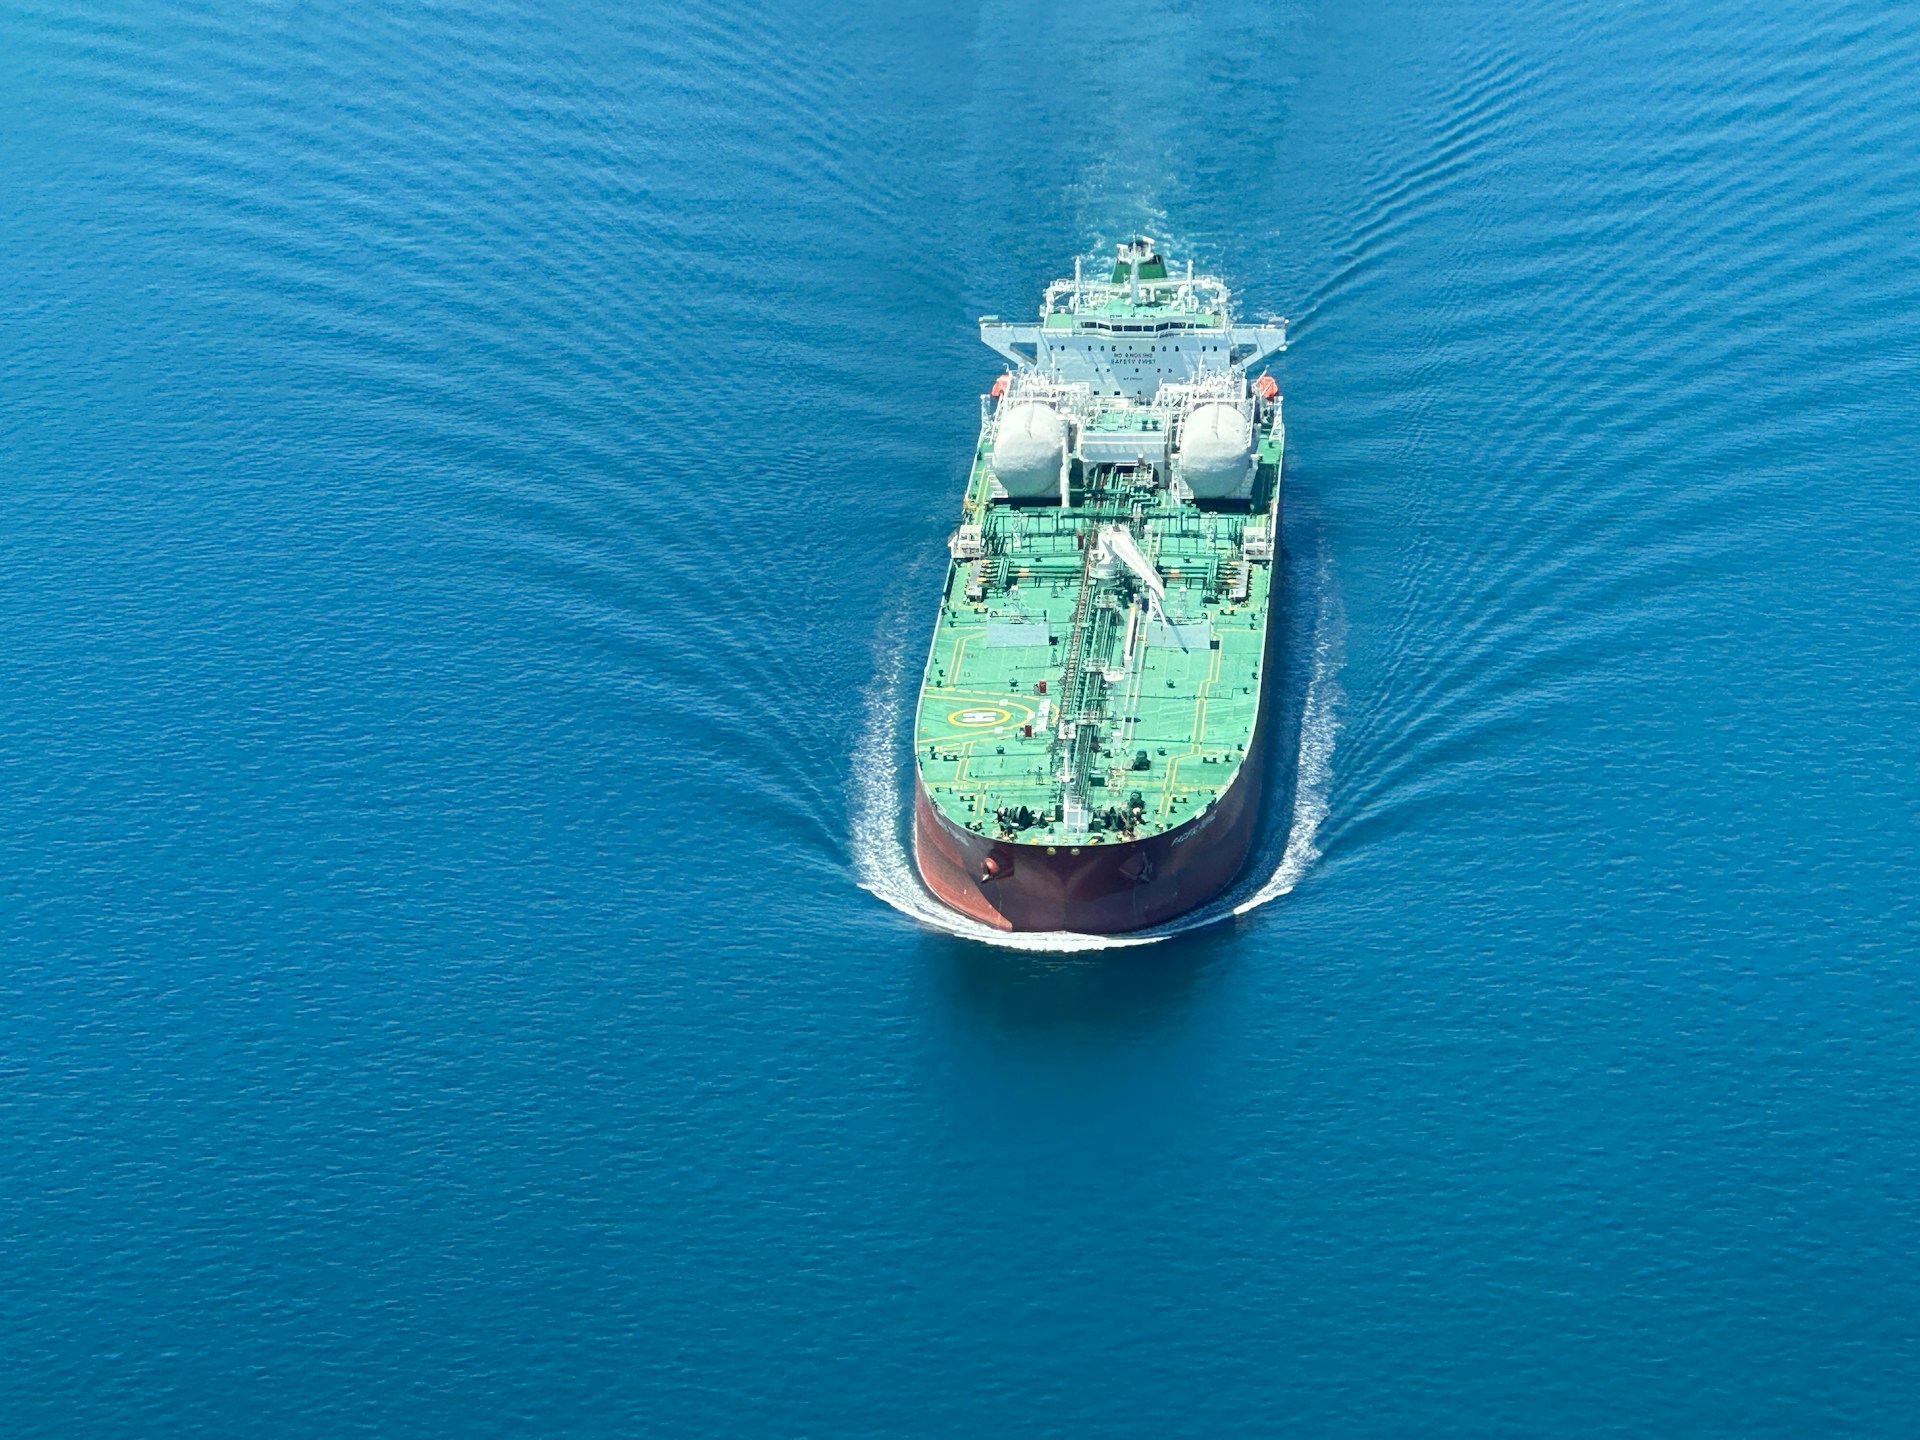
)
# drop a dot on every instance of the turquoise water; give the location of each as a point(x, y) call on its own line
point(474, 489)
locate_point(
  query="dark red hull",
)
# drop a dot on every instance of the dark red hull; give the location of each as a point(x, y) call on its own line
point(1093, 889)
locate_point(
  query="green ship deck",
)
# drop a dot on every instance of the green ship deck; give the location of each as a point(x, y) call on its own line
point(1033, 724)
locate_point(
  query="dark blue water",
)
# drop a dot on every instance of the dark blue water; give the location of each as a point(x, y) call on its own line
point(472, 484)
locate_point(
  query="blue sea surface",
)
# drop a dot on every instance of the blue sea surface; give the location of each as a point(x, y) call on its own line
point(473, 483)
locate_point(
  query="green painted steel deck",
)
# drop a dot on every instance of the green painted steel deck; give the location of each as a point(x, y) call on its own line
point(1028, 638)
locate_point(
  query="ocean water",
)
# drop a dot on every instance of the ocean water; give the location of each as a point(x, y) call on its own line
point(472, 488)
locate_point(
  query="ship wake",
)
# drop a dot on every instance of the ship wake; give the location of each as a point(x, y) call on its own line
point(881, 781)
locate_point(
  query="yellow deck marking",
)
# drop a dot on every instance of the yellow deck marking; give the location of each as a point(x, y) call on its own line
point(980, 715)
point(1170, 785)
point(960, 651)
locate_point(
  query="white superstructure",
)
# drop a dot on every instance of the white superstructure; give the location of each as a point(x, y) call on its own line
point(1124, 335)
point(1141, 369)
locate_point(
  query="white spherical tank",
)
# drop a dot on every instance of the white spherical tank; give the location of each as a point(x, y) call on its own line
point(1029, 445)
point(1216, 450)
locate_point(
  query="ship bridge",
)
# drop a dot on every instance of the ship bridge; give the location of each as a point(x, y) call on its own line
point(1123, 334)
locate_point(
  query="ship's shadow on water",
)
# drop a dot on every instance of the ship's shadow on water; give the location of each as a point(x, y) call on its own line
point(1304, 701)
point(1027, 992)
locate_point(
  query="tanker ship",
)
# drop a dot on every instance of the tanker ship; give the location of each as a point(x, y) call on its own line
point(1088, 738)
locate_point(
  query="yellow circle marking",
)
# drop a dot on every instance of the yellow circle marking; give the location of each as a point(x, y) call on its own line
point(976, 715)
